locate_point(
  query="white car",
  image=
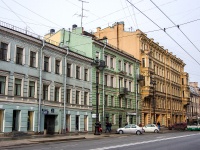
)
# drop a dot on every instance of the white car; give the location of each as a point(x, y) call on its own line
point(130, 128)
point(151, 128)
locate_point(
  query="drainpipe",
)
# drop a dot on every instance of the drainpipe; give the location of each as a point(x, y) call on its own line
point(40, 87)
point(65, 82)
point(136, 95)
point(103, 89)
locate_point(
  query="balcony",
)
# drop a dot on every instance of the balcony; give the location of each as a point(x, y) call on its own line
point(122, 72)
point(123, 91)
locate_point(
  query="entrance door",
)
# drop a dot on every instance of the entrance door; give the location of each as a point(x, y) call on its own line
point(85, 123)
point(30, 121)
point(67, 123)
point(16, 120)
point(120, 121)
point(1, 120)
point(77, 123)
point(49, 124)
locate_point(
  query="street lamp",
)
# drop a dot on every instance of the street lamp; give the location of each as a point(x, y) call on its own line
point(100, 65)
point(153, 82)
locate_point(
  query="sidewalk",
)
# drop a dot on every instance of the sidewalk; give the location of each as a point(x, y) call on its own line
point(6, 142)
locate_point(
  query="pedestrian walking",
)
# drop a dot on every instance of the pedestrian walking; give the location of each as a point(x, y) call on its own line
point(107, 127)
point(110, 127)
point(158, 124)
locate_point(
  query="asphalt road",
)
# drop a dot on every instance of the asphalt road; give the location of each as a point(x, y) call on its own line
point(168, 141)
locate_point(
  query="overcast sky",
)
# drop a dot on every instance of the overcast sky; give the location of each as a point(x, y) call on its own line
point(39, 16)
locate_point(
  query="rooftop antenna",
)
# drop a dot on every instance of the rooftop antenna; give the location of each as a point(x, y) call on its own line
point(82, 12)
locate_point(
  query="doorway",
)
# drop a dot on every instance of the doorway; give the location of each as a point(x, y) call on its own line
point(49, 124)
point(68, 123)
point(30, 121)
point(1, 120)
point(16, 120)
point(77, 123)
point(120, 121)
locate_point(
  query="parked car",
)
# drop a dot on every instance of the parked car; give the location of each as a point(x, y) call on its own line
point(130, 128)
point(178, 126)
point(151, 128)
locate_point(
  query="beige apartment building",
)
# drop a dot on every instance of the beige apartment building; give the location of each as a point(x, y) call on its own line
point(193, 111)
point(164, 89)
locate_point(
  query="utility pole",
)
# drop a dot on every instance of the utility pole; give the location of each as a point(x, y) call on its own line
point(82, 11)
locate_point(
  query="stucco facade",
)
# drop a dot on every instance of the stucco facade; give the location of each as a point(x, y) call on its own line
point(158, 65)
point(33, 95)
point(115, 104)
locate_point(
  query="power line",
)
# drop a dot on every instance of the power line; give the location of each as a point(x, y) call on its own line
point(16, 15)
point(36, 13)
point(177, 26)
point(165, 32)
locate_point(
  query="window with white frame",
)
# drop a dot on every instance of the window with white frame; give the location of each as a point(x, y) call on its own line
point(45, 91)
point(3, 51)
point(31, 89)
point(19, 55)
point(111, 81)
point(86, 74)
point(2, 84)
point(68, 96)
point(112, 101)
point(57, 66)
point(78, 74)
point(18, 85)
point(85, 98)
point(57, 94)
point(111, 63)
point(46, 63)
point(77, 97)
point(32, 59)
point(69, 70)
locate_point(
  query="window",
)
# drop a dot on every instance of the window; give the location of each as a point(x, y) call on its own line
point(77, 72)
point(111, 62)
point(19, 55)
point(106, 80)
point(56, 94)
point(124, 67)
point(97, 55)
point(143, 62)
point(31, 88)
point(86, 75)
point(130, 103)
point(18, 83)
point(105, 59)
point(2, 84)
point(32, 59)
point(85, 98)
point(106, 100)
point(68, 95)
point(150, 63)
point(68, 70)
point(111, 81)
point(120, 63)
point(129, 69)
point(125, 83)
point(45, 92)
point(130, 86)
point(57, 65)
point(126, 103)
point(77, 97)
point(120, 102)
point(3, 51)
point(112, 101)
point(46, 64)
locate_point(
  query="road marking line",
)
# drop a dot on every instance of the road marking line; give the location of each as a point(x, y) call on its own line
point(144, 142)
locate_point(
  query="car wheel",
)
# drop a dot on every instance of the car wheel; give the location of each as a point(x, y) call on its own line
point(156, 131)
point(138, 132)
point(121, 132)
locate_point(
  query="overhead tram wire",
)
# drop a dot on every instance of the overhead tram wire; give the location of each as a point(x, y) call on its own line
point(17, 15)
point(37, 14)
point(177, 26)
point(165, 32)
